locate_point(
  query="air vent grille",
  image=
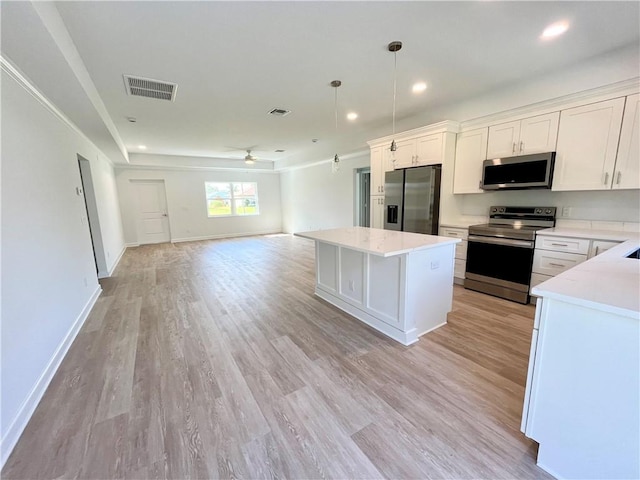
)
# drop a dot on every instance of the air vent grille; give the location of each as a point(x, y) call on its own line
point(279, 112)
point(150, 88)
point(279, 151)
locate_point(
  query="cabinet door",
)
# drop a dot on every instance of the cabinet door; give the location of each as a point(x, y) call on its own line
point(471, 151)
point(538, 134)
point(429, 150)
point(503, 140)
point(587, 145)
point(405, 153)
point(627, 174)
point(377, 211)
point(599, 246)
point(377, 173)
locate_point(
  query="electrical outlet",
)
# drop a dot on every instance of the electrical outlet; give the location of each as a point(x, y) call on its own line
point(566, 212)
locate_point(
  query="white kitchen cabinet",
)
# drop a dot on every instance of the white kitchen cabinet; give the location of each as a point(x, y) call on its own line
point(562, 244)
point(599, 246)
point(404, 154)
point(546, 262)
point(627, 170)
point(522, 137)
point(471, 151)
point(377, 211)
point(379, 165)
point(460, 260)
point(587, 146)
point(419, 151)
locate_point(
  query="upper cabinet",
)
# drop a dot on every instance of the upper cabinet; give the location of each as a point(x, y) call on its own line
point(419, 151)
point(587, 146)
point(627, 170)
point(522, 137)
point(471, 151)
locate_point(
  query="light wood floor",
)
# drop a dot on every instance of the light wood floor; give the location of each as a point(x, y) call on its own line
point(214, 359)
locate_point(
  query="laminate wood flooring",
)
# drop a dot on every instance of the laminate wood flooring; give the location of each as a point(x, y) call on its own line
point(214, 359)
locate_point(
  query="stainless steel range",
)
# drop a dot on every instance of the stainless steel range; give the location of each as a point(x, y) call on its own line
point(500, 253)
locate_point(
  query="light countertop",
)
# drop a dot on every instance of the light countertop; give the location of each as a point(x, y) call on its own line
point(608, 282)
point(385, 243)
point(591, 234)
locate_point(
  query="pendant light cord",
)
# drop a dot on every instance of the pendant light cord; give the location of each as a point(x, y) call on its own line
point(395, 68)
point(336, 108)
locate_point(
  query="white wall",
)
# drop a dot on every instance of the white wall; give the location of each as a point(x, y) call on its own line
point(48, 274)
point(315, 198)
point(187, 206)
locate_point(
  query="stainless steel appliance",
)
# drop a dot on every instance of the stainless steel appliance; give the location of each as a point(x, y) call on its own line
point(412, 199)
point(518, 173)
point(500, 253)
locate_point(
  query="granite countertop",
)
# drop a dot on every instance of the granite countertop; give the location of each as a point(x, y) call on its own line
point(608, 282)
point(385, 243)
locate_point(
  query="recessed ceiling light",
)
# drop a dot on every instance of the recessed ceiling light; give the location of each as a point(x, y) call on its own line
point(555, 29)
point(419, 87)
point(352, 115)
point(142, 147)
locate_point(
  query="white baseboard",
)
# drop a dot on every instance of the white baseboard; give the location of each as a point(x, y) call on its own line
point(224, 235)
point(131, 244)
point(115, 264)
point(19, 423)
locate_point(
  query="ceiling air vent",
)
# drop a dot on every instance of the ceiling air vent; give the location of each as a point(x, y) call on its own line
point(279, 112)
point(147, 87)
point(279, 151)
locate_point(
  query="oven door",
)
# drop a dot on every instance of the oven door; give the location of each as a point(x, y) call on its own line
point(503, 262)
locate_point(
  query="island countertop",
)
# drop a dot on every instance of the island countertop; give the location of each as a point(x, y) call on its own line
point(385, 243)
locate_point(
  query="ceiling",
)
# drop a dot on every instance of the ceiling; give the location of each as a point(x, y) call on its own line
point(235, 61)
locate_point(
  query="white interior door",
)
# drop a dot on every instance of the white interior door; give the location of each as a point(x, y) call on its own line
point(152, 219)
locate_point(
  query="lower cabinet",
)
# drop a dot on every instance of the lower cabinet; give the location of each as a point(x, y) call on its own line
point(554, 255)
point(460, 260)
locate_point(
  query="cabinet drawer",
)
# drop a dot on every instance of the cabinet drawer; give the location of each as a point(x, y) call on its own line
point(454, 232)
point(537, 279)
point(563, 244)
point(553, 263)
point(461, 250)
point(459, 268)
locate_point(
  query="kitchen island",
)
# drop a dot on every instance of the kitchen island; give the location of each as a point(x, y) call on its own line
point(399, 283)
point(583, 385)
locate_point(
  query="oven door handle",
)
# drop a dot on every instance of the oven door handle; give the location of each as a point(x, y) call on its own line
point(501, 241)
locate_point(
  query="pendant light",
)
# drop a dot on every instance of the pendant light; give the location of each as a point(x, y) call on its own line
point(335, 165)
point(394, 47)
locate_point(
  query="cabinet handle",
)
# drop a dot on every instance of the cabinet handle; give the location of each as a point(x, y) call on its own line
point(521, 147)
point(480, 184)
point(559, 244)
point(513, 150)
point(619, 177)
point(556, 264)
point(597, 248)
point(452, 234)
point(606, 178)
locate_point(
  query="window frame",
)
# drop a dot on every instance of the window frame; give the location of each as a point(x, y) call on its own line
point(232, 199)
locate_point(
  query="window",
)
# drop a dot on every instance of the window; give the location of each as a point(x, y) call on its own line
point(229, 198)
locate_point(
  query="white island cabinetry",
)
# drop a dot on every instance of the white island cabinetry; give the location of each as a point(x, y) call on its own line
point(399, 283)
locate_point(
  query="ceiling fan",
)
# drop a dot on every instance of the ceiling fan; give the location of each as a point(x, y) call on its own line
point(250, 159)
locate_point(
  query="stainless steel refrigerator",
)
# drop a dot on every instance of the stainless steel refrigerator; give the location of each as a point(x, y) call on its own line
point(412, 199)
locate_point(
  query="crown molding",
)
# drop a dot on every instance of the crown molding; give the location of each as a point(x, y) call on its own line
point(186, 168)
point(434, 128)
point(584, 97)
point(348, 156)
point(26, 84)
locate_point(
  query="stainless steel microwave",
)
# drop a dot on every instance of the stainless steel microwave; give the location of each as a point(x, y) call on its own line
point(517, 173)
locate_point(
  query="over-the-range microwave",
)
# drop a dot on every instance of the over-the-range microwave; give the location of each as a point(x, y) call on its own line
point(513, 173)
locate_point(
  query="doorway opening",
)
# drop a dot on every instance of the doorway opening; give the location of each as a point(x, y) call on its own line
point(363, 192)
point(93, 220)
